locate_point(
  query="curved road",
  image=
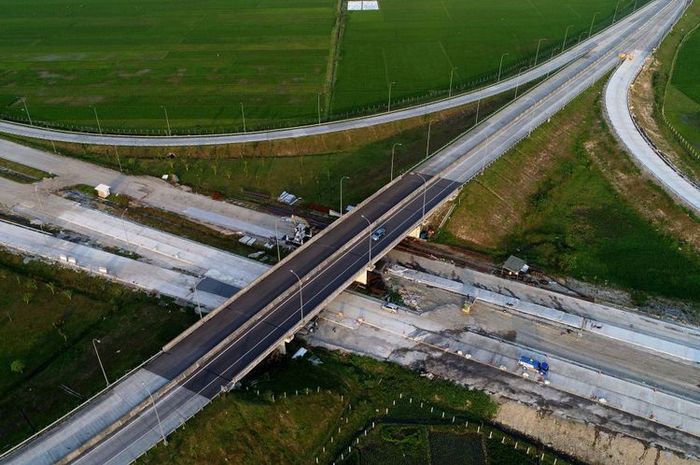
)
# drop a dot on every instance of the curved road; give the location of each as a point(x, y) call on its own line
point(622, 28)
point(639, 147)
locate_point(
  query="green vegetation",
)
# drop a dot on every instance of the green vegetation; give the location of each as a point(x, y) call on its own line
point(682, 100)
point(416, 44)
point(288, 412)
point(570, 201)
point(136, 66)
point(48, 318)
point(20, 173)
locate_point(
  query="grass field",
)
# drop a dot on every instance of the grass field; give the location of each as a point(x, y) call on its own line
point(138, 66)
point(417, 43)
point(683, 95)
point(273, 419)
point(128, 58)
point(48, 318)
point(570, 201)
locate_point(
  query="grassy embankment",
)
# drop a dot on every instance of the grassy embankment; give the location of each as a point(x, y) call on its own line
point(138, 67)
point(570, 201)
point(309, 167)
point(274, 420)
point(20, 173)
point(48, 318)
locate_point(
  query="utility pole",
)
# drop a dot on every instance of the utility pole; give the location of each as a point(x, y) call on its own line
point(155, 409)
point(99, 126)
point(452, 72)
point(341, 193)
point(243, 115)
point(537, 55)
point(388, 106)
point(99, 359)
point(301, 298)
point(500, 66)
point(393, 151)
point(167, 120)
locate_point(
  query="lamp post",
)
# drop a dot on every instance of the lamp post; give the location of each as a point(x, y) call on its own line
point(99, 360)
point(425, 192)
point(388, 106)
point(99, 127)
point(566, 35)
point(167, 120)
point(369, 225)
point(277, 242)
point(537, 55)
point(590, 30)
point(427, 142)
point(393, 152)
point(318, 107)
point(155, 409)
point(243, 116)
point(341, 193)
point(500, 66)
point(26, 110)
point(517, 84)
point(301, 297)
point(452, 72)
point(617, 7)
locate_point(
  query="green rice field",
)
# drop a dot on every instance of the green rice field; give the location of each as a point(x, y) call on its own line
point(683, 97)
point(215, 65)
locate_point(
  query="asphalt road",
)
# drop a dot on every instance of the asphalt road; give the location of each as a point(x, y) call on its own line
point(620, 29)
point(270, 308)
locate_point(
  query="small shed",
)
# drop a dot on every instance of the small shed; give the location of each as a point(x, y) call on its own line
point(515, 266)
point(102, 190)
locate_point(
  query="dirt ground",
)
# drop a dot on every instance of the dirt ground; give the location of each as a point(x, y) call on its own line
point(584, 441)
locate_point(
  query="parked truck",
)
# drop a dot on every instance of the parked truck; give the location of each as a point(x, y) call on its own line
point(530, 363)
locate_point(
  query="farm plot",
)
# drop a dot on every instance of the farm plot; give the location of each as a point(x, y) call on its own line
point(420, 45)
point(144, 65)
point(683, 98)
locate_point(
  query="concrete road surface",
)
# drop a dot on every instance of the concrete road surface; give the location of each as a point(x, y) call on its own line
point(148, 190)
point(642, 152)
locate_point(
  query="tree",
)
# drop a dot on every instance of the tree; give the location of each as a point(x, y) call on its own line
point(68, 293)
point(27, 297)
point(52, 287)
point(18, 366)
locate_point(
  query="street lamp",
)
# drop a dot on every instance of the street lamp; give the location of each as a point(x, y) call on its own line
point(341, 193)
point(566, 35)
point(155, 409)
point(369, 225)
point(99, 127)
point(517, 83)
point(94, 346)
point(537, 55)
point(427, 142)
point(393, 152)
point(243, 116)
point(617, 7)
point(167, 120)
point(26, 110)
point(452, 72)
point(590, 31)
point(318, 107)
point(277, 241)
point(500, 66)
point(425, 192)
point(388, 106)
point(301, 297)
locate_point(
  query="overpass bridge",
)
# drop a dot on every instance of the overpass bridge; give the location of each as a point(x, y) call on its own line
point(119, 425)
